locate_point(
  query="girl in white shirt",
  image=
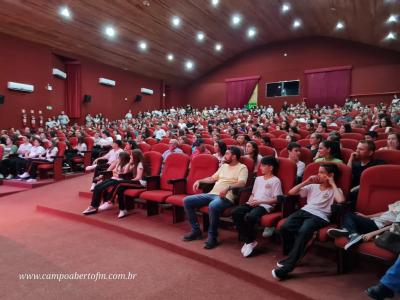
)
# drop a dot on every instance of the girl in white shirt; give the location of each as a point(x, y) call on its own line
point(35, 152)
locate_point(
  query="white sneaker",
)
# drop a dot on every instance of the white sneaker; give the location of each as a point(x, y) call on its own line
point(32, 180)
point(25, 175)
point(92, 187)
point(10, 177)
point(90, 168)
point(1, 176)
point(243, 248)
point(268, 231)
point(90, 210)
point(105, 206)
point(122, 213)
point(249, 249)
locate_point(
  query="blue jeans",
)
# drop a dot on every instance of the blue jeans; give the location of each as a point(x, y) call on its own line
point(216, 206)
point(392, 277)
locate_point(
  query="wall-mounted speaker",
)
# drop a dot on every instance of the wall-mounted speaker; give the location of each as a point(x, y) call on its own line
point(87, 98)
point(2, 99)
point(138, 98)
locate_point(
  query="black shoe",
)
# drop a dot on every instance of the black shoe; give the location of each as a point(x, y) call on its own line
point(210, 244)
point(192, 236)
point(355, 239)
point(335, 233)
point(279, 273)
point(379, 292)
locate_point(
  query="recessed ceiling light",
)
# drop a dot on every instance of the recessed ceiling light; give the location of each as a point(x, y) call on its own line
point(189, 65)
point(200, 36)
point(236, 19)
point(110, 31)
point(218, 47)
point(214, 2)
point(142, 45)
point(285, 54)
point(251, 32)
point(65, 12)
point(390, 36)
point(285, 7)
point(176, 21)
point(339, 25)
point(296, 23)
point(392, 19)
point(170, 56)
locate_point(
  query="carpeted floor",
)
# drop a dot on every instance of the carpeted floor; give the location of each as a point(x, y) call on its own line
point(42, 231)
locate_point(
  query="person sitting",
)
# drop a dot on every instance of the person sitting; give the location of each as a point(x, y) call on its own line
point(200, 149)
point(229, 176)
point(393, 142)
point(75, 151)
point(371, 136)
point(35, 152)
point(388, 285)
point(220, 149)
point(328, 151)
point(315, 140)
point(23, 151)
point(122, 166)
point(173, 148)
point(251, 151)
point(102, 144)
point(321, 192)
point(102, 163)
point(294, 155)
point(359, 227)
point(345, 128)
point(262, 201)
point(159, 133)
point(9, 151)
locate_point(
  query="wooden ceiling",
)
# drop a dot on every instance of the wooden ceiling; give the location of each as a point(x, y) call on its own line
point(39, 21)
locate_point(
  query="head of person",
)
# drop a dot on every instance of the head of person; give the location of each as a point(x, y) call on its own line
point(269, 165)
point(365, 150)
point(220, 147)
point(310, 126)
point(252, 150)
point(328, 150)
point(345, 128)
point(294, 151)
point(81, 140)
point(315, 139)
point(334, 136)
point(393, 141)
point(290, 138)
point(124, 158)
point(105, 134)
point(371, 136)
point(322, 127)
point(241, 139)
point(137, 156)
point(173, 144)
point(130, 145)
point(328, 170)
point(36, 142)
point(232, 154)
point(117, 145)
point(9, 141)
point(385, 122)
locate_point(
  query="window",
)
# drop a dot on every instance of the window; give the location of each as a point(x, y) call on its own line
point(283, 88)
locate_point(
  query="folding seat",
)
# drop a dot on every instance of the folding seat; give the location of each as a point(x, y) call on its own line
point(86, 159)
point(161, 147)
point(352, 136)
point(377, 191)
point(297, 136)
point(225, 136)
point(382, 136)
point(56, 165)
point(304, 142)
point(73, 141)
point(380, 144)
point(349, 143)
point(359, 130)
point(229, 141)
point(205, 134)
point(160, 187)
point(305, 156)
point(346, 153)
point(391, 157)
point(151, 141)
point(380, 130)
point(210, 148)
point(303, 133)
point(144, 147)
point(187, 149)
point(271, 136)
point(202, 166)
point(344, 183)
point(165, 141)
point(266, 151)
point(279, 144)
point(278, 133)
point(208, 141)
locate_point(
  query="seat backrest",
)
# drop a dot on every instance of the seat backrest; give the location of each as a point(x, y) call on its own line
point(382, 136)
point(73, 141)
point(175, 167)
point(266, 151)
point(202, 166)
point(358, 130)
point(391, 157)
point(1, 152)
point(278, 133)
point(153, 162)
point(144, 147)
point(249, 163)
point(287, 174)
point(349, 143)
point(305, 155)
point(89, 143)
point(165, 140)
point(161, 147)
point(229, 141)
point(303, 133)
point(346, 153)
point(353, 136)
point(380, 144)
point(151, 141)
point(208, 141)
point(379, 187)
point(279, 144)
point(296, 135)
point(304, 142)
point(187, 149)
point(210, 148)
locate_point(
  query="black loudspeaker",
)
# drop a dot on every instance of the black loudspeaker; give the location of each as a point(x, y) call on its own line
point(87, 98)
point(138, 98)
point(2, 99)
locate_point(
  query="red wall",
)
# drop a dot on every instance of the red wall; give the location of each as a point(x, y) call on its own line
point(27, 62)
point(374, 70)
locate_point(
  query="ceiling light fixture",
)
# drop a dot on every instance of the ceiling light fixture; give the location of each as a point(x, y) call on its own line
point(251, 32)
point(176, 21)
point(285, 7)
point(236, 19)
point(65, 12)
point(218, 47)
point(214, 2)
point(110, 31)
point(189, 65)
point(170, 56)
point(142, 45)
point(339, 25)
point(392, 19)
point(390, 36)
point(296, 23)
point(200, 36)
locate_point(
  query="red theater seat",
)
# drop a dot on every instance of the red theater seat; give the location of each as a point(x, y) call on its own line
point(161, 147)
point(55, 166)
point(305, 156)
point(352, 136)
point(349, 144)
point(391, 157)
point(279, 144)
point(266, 151)
point(144, 147)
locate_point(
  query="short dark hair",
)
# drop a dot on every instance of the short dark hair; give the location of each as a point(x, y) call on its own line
point(332, 169)
point(293, 145)
point(372, 134)
point(270, 161)
point(370, 144)
point(222, 147)
point(119, 143)
point(236, 151)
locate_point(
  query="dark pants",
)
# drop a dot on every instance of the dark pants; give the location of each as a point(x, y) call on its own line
point(99, 168)
point(15, 164)
point(101, 189)
point(69, 155)
point(358, 224)
point(246, 219)
point(5, 167)
point(33, 164)
point(296, 232)
point(120, 190)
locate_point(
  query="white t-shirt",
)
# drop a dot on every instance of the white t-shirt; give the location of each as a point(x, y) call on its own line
point(391, 215)
point(318, 202)
point(300, 168)
point(112, 155)
point(24, 148)
point(266, 190)
point(36, 151)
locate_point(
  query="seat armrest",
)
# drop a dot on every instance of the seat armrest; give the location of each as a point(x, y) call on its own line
point(173, 181)
point(288, 204)
point(339, 210)
point(153, 182)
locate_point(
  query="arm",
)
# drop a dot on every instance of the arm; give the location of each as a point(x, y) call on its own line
point(338, 194)
point(370, 235)
point(296, 189)
point(139, 174)
point(353, 156)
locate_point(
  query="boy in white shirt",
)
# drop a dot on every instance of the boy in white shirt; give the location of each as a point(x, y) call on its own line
point(266, 189)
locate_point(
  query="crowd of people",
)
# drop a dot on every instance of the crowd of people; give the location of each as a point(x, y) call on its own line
point(116, 151)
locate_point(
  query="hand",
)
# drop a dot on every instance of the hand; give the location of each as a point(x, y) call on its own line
point(312, 179)
point(353, 156)
point(196, 185)
point(253, 203)
point(360, 214)
point(331, 180)
point(223, 193)
point(368, 236)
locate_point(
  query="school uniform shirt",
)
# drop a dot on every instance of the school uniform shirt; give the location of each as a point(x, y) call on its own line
point(228, 175)
point(112, 155)
point(48, 155)
point(81, 148)
point(390, 216)
point(266, 189)
point(105, 142)
point(318, 202)
point(300, 168)
point(36, 151)
point(24, 148)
